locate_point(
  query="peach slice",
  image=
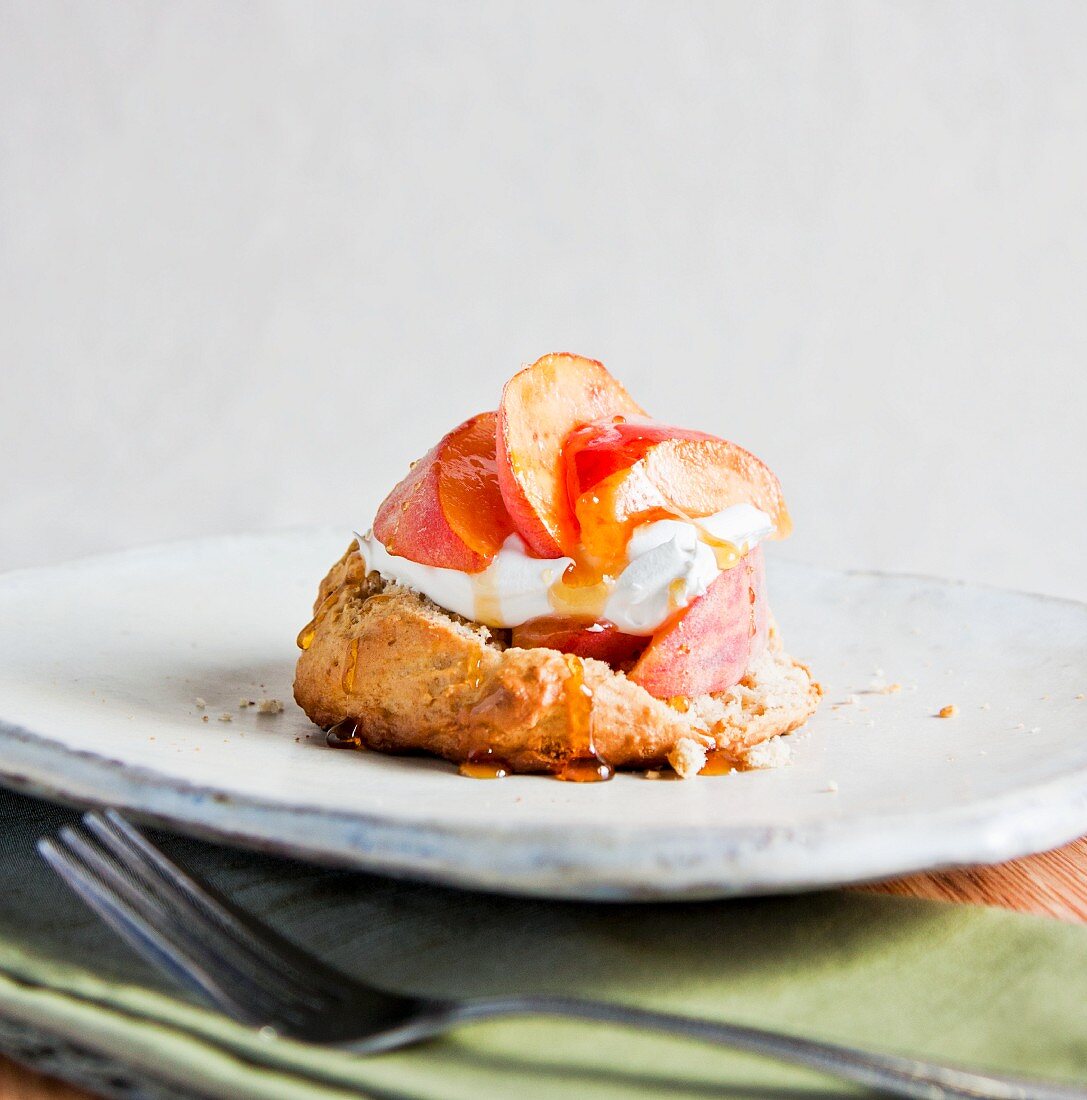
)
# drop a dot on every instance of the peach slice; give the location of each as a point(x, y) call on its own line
point(602, 640)
point(448, 511)
point(540, 406)
point(709, 645)
point(598, 450)
point(702, 477)
point(678, 477)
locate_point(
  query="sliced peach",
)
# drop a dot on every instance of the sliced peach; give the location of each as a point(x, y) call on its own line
point(448, 511)
point(602, 640)
point(704, 476)
point(678, 477)
point(595, 451)
point(709, 645)
point(540, 406)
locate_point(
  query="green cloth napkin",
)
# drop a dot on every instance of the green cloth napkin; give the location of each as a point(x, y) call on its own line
point(954, 982)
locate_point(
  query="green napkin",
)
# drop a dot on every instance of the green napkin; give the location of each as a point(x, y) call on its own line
point(971, 985)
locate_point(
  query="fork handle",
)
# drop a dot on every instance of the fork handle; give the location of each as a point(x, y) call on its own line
point(893, 1074)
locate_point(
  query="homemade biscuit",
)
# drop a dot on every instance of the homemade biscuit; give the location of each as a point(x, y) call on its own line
point(416, 678)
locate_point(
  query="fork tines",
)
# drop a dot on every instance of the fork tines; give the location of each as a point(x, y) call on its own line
point(187, 927)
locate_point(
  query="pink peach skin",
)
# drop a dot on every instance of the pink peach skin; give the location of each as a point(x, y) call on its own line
point(448, 511)
point(709, 645)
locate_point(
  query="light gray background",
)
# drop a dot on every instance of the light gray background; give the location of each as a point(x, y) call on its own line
point(255, 257)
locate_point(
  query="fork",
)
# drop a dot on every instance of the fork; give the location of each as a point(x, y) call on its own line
point(258, 978)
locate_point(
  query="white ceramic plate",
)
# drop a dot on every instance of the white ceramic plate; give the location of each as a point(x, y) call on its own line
point(101, 662)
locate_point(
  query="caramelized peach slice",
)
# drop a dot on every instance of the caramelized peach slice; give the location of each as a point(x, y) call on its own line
point(601, 640)
point(709, 645)
point(678, 477)
point(448, 511)
point(595, 451)
point(702, 477)
point(540, 406)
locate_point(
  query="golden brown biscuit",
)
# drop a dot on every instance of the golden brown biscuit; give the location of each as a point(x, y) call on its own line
point(417, 678)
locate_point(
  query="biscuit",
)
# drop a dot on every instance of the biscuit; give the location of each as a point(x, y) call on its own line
point(415, 678)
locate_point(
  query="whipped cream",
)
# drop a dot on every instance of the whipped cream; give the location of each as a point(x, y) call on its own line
point(669, 565)
point(510, 591)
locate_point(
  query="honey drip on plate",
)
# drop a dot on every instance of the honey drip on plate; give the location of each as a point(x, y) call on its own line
point(350, 667)
point(483, 764)
point(584, 764)
point(720, 762)
point(344, 735)
point(586, 770)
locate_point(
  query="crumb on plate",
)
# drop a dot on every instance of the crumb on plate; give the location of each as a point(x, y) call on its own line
point(775, 753)
point(688, 757)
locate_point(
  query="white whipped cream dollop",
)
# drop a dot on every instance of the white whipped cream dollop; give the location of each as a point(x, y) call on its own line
point(668, 566)
point(510, 591)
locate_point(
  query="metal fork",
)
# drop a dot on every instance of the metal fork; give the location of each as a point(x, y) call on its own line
point(258, 978)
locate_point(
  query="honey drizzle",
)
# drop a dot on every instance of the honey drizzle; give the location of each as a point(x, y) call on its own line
point(350, 667)
point(579, 706)
point(727, 554)
point(586, 770)
point(344, 735)
point(581, 592)
point(583, 764)
point(309, 631)
point(722, 762)
point(487, 607)
point(677, 591)
point(473, 672)
point(484, 764)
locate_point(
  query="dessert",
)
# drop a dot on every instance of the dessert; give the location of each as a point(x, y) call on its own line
point(565, 586)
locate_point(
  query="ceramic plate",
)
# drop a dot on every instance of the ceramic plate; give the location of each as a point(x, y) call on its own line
point(101, 663)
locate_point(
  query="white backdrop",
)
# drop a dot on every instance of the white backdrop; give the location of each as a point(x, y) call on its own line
point(255, 257)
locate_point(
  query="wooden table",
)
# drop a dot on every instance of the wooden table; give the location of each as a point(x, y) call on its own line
point(1053, 884)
